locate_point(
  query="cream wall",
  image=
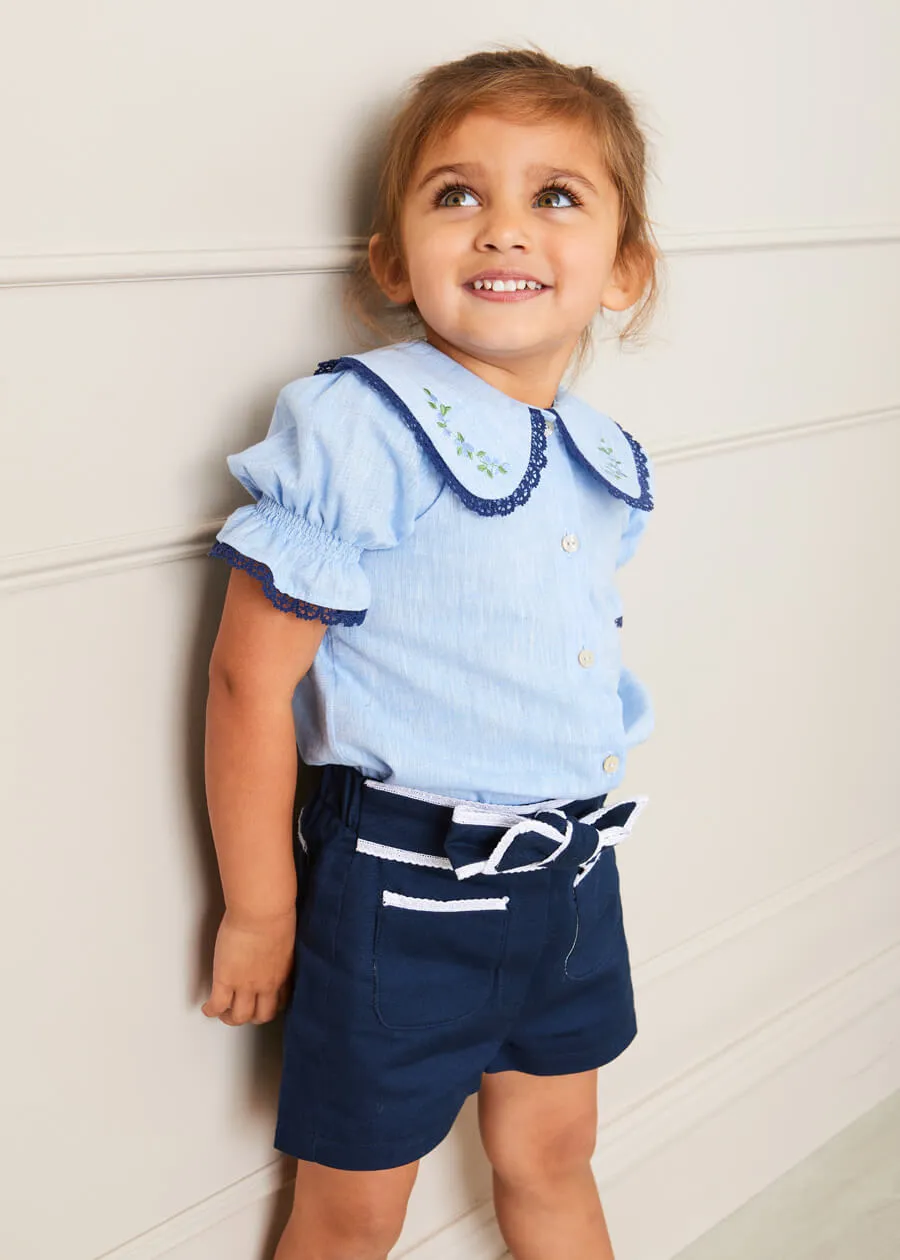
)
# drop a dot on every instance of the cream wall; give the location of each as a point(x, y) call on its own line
point(181, 187)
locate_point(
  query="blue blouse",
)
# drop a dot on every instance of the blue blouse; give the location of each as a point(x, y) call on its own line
point(462, 548)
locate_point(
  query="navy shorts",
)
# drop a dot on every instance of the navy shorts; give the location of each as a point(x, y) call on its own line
point(416, 972)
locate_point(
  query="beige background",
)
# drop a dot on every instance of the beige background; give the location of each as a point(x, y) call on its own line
point(182, 183)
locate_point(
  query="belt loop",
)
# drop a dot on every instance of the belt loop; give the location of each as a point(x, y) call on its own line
point(343, 787)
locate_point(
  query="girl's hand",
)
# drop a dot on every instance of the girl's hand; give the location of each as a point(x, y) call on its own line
point(251, 967)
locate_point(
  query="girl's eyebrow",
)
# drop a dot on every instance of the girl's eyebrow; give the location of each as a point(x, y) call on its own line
point(450, 168)
point(467, 169)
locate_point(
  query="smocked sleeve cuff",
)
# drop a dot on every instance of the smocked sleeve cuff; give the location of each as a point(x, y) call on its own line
point(303, 568)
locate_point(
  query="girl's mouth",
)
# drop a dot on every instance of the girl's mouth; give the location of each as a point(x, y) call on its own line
point(506, 290)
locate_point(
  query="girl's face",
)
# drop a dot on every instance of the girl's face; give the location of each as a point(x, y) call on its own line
point(499, 200)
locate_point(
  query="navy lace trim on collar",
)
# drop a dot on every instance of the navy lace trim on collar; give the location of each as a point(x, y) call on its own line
point(645, 502)
point(485, 507)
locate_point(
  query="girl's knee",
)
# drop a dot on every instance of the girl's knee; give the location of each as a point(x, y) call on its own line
point(545, 1157)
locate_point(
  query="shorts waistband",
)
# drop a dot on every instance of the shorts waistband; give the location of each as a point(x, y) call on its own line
point(470, 837)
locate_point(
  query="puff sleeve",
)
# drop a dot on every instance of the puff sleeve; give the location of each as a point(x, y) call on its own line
point(336, 475)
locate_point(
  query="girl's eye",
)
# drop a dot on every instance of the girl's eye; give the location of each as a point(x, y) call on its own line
point(451, 196)
point(556, 191)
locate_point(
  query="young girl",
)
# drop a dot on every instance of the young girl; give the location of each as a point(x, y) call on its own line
point(423, 600)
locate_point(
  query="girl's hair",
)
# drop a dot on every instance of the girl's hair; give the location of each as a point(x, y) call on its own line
point(526, 85)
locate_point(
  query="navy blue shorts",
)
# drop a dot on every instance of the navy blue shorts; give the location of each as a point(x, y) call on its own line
point(416, 972)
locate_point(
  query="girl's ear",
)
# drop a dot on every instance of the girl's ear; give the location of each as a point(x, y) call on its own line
point(388, 272)
point(625, 285)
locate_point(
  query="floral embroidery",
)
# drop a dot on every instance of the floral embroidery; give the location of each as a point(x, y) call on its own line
point(612, 465)
point(486, 463)
point(434, 402)
point(490, 466)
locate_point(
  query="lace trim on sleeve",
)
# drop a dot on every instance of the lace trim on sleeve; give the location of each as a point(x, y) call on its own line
point(286, 603)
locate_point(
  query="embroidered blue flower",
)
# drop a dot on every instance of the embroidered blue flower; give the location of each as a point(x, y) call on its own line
point(485, 463)
point(435, 404)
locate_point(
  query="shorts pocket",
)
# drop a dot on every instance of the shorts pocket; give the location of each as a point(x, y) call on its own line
point(599, 929)
point(435, 959)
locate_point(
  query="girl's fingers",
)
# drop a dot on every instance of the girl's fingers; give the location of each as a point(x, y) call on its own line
point(266, 1007)
point(242, 1006)
point(219, 1000)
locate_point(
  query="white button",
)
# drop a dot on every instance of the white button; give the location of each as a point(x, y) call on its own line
point(611, 763)
point(570, 543)
point(549, 426)
point(585, 658)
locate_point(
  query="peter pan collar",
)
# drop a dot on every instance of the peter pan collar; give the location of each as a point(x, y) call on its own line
point(491, 448)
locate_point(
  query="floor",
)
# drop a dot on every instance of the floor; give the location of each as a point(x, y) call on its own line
point(842, 1203)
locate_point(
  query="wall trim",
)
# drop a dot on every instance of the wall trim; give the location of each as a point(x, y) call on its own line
point(96, 557)
point(724, 444)
point(709, 1086)
point(199, 1217)
point(77, 561)
point(140, 266)
point(711, 939)
point(673, 1110)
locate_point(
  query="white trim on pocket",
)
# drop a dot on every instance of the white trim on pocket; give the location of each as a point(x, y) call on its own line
point(389, 898)
point(412, 856)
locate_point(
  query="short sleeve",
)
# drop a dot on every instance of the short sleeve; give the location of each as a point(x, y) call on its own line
point(337, 474)
point(636, 522)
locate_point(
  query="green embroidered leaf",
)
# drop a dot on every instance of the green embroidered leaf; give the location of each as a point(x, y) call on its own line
point(489, 473)
point(444, 408)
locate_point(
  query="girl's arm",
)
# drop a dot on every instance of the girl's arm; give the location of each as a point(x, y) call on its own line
point(259, 655)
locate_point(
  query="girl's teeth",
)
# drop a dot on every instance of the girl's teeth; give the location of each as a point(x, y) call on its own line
point(506, 286)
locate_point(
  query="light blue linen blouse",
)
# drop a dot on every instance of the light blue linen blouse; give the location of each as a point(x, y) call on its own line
point(462, 548)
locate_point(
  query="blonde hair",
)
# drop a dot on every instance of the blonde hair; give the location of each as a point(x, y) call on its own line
point(521, 83)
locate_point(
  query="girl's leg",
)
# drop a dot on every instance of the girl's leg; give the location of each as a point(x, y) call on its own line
point(340, 1215)
point(539, 1133)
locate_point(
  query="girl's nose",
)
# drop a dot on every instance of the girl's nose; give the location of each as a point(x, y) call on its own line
point(503, 228)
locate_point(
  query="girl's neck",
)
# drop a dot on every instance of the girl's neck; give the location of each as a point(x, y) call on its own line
point(532, 380)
